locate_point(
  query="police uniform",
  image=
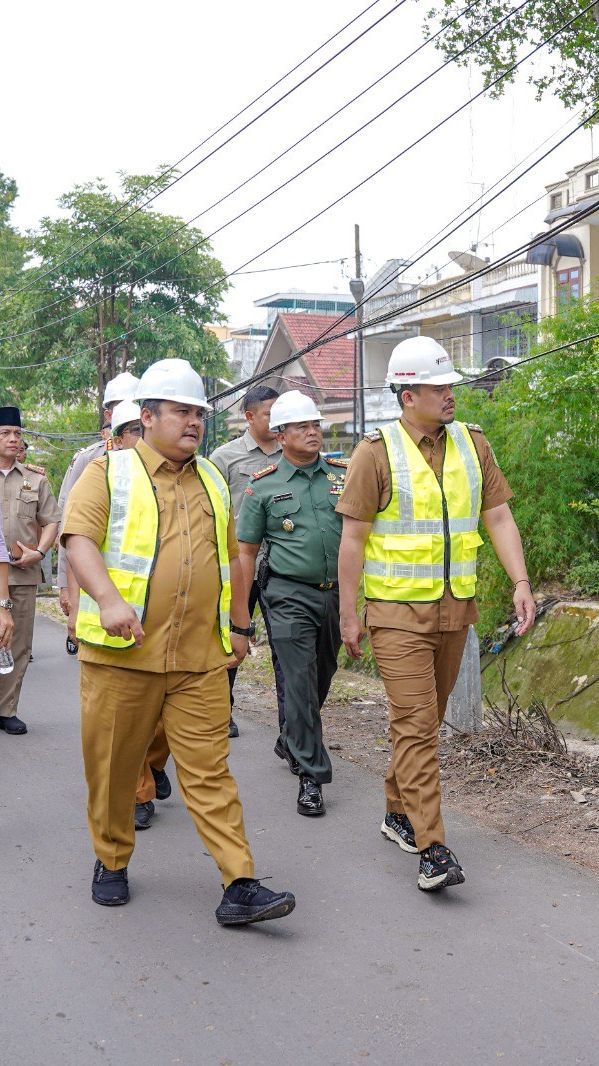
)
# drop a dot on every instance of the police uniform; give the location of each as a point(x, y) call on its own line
point(27, 504)
point(418, 645)
point(293, 509)
point(238, 461)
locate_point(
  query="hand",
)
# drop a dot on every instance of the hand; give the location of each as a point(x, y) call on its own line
point(240, 647)
point(72, 625)
point(120, 620)
point(64, 601)
point(6, 628)
point(30, 557)
point(352, 632)
point(525, 608)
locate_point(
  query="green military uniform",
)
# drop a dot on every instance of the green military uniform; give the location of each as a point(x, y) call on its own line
point(292, 509)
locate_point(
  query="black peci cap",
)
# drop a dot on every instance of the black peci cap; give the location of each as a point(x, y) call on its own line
point(10, 416)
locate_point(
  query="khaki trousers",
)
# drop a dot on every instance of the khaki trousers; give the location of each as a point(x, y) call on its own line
point(156, 758)
point(419, 671)
point(120, 710)
point(23, 612)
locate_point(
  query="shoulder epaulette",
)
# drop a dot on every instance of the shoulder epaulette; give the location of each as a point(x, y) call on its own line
point(375, 435)
point(35, 469)
point(262, 473)
point(338, 462)
point(473, 425)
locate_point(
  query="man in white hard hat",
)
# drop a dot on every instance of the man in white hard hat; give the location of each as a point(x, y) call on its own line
point(237, 461)
point(122, 387)
point(291, 507)
point(150, 536)
point(414, 493)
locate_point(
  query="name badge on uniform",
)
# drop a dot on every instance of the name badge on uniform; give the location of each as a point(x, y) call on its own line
point(282, 496)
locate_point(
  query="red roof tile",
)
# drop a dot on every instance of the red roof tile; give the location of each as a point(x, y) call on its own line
point(331, 365)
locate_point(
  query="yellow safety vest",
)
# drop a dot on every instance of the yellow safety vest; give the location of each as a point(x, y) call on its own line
point(428, 532)
point(132, 540)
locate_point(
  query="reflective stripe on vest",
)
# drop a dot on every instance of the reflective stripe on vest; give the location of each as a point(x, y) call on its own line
point(405, 555)
point(132, 540)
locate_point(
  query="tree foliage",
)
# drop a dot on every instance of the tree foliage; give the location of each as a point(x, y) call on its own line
point(12, 245)
point(542, 423)
point(568, 67)
point(142, 292)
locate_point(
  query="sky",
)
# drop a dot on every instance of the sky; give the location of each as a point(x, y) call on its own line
point(90, 90)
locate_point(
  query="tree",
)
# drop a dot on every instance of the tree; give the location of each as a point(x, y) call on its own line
point(12, 246)
point(568, 67)
point(143, 292)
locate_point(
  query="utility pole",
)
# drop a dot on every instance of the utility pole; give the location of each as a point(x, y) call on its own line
point(356, 286)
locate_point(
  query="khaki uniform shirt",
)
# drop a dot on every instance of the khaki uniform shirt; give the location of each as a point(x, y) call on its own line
point(181, 628)
point(27, 503)
point(368, 491)
point(79, 462)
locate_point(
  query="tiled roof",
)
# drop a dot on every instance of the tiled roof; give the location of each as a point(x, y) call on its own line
point(331, 365)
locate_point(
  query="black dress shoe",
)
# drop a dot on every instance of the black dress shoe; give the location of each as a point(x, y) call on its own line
point(163, 785)
point(309, 800)
point(283, 752)
point(144, 812)
point(233, 728)
point(14, 726)
point(110, 888)
point(246, 901)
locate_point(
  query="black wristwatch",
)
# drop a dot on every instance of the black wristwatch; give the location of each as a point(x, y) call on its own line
point(244, 632)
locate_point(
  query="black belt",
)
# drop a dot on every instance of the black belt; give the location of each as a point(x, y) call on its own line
point(324, 585)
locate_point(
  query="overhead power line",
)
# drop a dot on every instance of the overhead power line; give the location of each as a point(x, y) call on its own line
point(79, 249)
point(339, 199)
point(204, 240)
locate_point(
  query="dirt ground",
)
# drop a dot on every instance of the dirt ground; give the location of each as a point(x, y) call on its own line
point(542, 800)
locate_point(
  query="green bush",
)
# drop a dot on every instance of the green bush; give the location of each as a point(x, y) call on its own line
point(583, 576)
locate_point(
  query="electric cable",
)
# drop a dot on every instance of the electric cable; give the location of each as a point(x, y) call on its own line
point(78, 250)
point(205, 239)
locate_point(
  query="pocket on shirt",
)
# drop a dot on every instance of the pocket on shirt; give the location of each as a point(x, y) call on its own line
point(208, 522)
point(27, 503)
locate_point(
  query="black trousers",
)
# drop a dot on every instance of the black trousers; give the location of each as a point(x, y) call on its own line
point(305, 630)
point(257, 597)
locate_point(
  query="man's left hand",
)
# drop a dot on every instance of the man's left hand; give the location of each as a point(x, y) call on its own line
point(30, 557)
point(240, 646)
point(525, 608)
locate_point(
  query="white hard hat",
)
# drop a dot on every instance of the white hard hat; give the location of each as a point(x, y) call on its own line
point(122, 387)
point(293, 406)
point(420, 361)
point(125, 411)
point(173, 379)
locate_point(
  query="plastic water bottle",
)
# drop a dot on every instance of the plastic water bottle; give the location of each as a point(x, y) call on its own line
point(7, 663)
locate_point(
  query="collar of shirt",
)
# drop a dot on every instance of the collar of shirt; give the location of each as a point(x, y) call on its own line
point(15, 466)
point(287, 469)
point(252, 444)
point(418, 437)
point(153, 460)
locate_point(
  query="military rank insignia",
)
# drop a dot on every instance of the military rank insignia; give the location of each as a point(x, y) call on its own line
point(288, 525)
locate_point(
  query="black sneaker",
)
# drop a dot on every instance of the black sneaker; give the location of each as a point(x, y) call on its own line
point(309, 800)
point(246, 900)
point(144, 812)
point(13, 726)
point(283, 752)
point(399, 829)
point(110, 888)
point(233, 728)
point(163, 785)
point(439, 868)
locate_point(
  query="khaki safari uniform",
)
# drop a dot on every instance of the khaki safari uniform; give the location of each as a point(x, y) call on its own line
point(179, 674)
point(237, 461)
point(158, 752)
point(27, 504)
point(293, 509)
point(418, 647)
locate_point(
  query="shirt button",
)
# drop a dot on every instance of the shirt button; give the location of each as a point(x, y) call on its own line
point(176, 625)
point(185, 533)
point(181, 506)
point(186, 562)
point(181, 593)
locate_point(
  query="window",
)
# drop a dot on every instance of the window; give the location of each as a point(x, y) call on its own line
point(592, 180)
point(568, 285)
point(556, 200)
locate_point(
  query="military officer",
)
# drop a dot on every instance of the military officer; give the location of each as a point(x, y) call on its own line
point(414, 493)
point(292, 508)
point(151, 540)
point(122, 387)
point(28, 507)
point(237, 461)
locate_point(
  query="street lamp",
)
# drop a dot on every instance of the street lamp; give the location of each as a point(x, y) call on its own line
point(356, 287)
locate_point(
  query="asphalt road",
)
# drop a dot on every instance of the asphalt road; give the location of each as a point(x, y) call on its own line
point(367, 969)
